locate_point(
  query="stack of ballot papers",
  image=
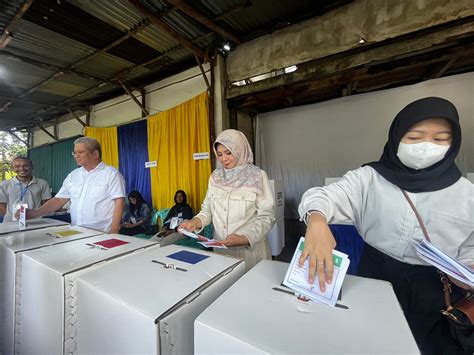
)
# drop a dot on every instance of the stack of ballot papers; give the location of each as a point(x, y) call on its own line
point(296, 278)
point(431, 254)
point(208, 243)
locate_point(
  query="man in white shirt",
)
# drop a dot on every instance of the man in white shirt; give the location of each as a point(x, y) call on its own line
point(96, 191)
point(24, 188)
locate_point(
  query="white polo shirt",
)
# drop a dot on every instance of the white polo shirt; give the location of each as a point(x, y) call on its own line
point(92, 195)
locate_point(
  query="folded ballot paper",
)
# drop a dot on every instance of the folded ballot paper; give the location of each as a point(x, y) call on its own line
point(296, 278)
point(208, 243)
point(431, 254)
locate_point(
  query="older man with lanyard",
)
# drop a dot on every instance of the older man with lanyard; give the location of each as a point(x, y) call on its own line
point(24, 189)
point(96, 191)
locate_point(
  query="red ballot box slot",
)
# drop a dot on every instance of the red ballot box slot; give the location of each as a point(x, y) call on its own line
point(110, 243)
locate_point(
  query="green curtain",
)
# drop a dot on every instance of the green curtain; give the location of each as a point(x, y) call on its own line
point(53, 162)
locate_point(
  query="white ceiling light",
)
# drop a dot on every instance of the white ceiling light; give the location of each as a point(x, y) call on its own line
point(290, 69)
point(226, 46)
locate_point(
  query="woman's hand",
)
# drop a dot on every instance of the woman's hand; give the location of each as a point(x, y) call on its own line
point(127, 225)
point(235, 240)
point(318, 246)
point(191, 225)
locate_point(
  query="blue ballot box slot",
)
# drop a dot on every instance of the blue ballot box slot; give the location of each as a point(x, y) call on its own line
point(188, 257)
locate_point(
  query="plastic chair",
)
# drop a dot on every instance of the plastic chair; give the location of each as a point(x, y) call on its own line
point(161, 214)
point(208, 231)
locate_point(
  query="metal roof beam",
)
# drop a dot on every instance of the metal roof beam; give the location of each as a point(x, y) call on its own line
point(17, 137)
point(157, 20)
point(196, 15)
point(7, 33)
point(70, 68)
point(46, 131)
point(202, 72)
point(73, 114)
point(127, 90)
point(55, 68)
point(3, 97)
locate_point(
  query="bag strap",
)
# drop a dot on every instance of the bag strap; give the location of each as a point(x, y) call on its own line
point(444, 278)
point(417, 215)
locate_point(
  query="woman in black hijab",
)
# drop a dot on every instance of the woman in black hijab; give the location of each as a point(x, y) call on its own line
point(177, 214)
point(419, 158)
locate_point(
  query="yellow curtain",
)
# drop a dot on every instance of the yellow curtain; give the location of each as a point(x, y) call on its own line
point(108, 139)
point(173, 137)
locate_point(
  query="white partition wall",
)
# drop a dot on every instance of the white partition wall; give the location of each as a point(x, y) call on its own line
point(146, 303)
point(48, 293)
point(304, 145)
point(12, 247)
point(252, 318)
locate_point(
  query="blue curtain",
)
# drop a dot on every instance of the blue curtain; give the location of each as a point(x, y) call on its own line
point(348, 242)
point(133, 153)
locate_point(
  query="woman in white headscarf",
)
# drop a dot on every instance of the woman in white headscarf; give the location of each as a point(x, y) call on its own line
point(239, 201)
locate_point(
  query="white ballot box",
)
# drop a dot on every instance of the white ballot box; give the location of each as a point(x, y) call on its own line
point(252, 318)
point(12, 247)
point(11, 227)
point(146, 303)
point(48, 289)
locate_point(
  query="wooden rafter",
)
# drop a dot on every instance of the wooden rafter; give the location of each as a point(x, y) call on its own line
point(7, 33)
point(196, 15)
point(130, 93)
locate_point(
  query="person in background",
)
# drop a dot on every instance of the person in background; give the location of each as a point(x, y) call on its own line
point(96, 191)
point(140, 215)
point(177, 214)
point(239, 201)
point(24, 188)
point(419, 158)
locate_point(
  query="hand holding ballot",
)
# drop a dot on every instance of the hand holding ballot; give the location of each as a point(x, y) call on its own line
point(297, 277)
point(208, 243)
point(190, 225)
point(318, 247)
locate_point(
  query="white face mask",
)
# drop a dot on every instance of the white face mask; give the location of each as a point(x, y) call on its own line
point(421, 155)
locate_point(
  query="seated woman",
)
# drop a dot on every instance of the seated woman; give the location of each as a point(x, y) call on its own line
point(140, 214)
point(178, 213)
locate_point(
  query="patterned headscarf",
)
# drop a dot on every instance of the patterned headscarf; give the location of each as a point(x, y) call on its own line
point(245, 173)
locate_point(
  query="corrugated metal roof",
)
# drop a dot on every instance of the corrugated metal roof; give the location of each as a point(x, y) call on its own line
point(8, 10)
point(123, 16)
point(47, 45)
point(120, 14)
point(104, 65)
point(61, 33)
point(21, 75)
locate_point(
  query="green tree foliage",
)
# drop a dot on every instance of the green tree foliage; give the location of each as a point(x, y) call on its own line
point(10, 147)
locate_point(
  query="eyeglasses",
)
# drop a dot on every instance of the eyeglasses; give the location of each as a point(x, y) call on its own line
point(79, 152)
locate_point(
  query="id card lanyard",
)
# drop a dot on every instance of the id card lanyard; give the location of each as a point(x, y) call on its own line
point(23, 191)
